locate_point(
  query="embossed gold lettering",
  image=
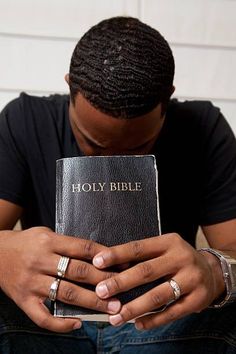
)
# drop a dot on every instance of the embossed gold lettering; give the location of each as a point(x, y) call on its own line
point(125, 186)
point(88, 187)
point(100, 187)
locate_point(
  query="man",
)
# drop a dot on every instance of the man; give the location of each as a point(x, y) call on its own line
point(121, 81)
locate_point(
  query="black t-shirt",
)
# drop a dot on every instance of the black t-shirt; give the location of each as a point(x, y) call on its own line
point(195, 152)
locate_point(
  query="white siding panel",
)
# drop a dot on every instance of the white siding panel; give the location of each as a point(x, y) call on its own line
point(6, 97)
point(205, 72)
point(229, 111)
point(208, 22)
point(37, 64)
point(59, 18)
point(34, 64)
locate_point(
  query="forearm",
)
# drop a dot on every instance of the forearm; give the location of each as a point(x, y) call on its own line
point(9, 214)
point(222, 236)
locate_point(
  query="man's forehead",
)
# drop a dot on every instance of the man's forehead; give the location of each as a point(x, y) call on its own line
point(96, 128)
point(87, 113)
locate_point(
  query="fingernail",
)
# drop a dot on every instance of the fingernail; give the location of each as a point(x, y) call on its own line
point(139, 325)
point(102, 290)
point(98, 261)
point(77, 325)
point(113, 306)
point(116, 320)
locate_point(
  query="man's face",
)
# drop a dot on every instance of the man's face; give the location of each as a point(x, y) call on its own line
point(100, 134)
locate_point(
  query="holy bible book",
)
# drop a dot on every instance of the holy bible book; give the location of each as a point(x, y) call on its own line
point(111, 200)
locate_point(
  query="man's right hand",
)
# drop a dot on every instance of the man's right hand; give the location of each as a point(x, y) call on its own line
point(28, 267)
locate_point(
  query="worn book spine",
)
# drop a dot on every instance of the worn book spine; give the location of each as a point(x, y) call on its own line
point(111, 200)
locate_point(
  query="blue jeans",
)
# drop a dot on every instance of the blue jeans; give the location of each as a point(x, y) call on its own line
point(211, 331)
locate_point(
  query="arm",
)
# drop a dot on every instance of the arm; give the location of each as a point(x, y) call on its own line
point(198, 273)
point(10, 213)
point(221, 236)
point(29, 258)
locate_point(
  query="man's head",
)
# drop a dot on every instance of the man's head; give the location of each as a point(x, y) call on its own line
point(121, 79)
point(123, 67)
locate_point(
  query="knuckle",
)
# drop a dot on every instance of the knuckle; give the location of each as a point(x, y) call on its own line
point(148, 325)
point(127, 313)
point(199, 305)
point(43, 323)
point(171, 315)
point(175, 239)
point(156, 300)
point(204, 295)
point(136, 248)
point(146, 270)
point(44, 240)
point(114, 285)
point(45, 228)
point(197, 277)
point(30, 261)
point(100, 305)
point(68, 294)
point(81, 270)
point(184, 257)
point(109, 275)
point(88, 248)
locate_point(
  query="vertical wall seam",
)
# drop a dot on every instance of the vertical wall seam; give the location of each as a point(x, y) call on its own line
point(139, 8)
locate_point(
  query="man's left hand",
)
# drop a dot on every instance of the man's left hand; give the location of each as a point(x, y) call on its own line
point(198, 275)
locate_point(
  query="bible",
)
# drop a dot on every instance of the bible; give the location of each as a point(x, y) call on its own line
point(111, 200)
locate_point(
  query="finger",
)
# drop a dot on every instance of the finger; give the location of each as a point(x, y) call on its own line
point(142, 273)
point(175, 311)
point(78, 271)
point(124, 266)
point(133, 251)
point(75, 247)
point(84, 272)
point(154, 299)
point(40, 315)
point(73, 294)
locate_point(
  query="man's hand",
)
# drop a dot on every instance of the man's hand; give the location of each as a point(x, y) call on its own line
point(28, 266)
point(198, 274)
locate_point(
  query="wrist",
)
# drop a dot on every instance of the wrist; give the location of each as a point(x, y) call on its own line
point(228, 270)
point(217, 274)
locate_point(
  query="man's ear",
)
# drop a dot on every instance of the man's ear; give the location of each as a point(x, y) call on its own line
point(164, 104)
point(67, 78)
point(173, 88)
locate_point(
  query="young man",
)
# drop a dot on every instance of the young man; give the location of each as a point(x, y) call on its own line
point(121, 81)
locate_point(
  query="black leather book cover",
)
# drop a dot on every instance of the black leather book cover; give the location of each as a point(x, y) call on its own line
point(108, 199)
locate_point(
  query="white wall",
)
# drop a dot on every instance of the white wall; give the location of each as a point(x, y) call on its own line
point(37, 39)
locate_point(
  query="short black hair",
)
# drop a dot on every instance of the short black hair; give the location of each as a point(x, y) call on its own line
point(123, 67)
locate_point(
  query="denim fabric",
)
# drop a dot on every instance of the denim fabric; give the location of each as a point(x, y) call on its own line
point(211, 331)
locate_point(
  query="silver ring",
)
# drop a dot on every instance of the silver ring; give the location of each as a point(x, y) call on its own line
point(62, 266)
point(53, 289)
point(176, 289)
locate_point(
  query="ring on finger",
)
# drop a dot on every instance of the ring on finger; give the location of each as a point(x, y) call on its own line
point(62, 266)
point(53, 289)
point(176, 289)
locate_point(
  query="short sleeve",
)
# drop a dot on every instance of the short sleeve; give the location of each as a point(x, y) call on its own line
point(13, 167)
point(219, 173)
